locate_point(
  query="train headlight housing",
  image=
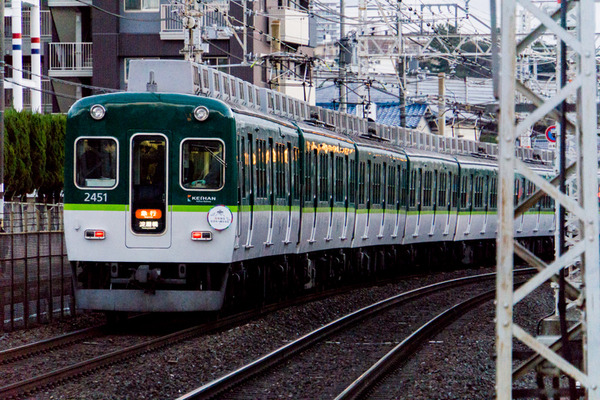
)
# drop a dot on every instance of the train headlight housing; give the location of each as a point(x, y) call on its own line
point(201, 113)
point(97, 112)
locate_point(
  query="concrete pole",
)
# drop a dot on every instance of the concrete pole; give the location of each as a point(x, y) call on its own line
point(36, 65)
point(17, 53)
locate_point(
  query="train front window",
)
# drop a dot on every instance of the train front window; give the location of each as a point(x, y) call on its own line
point(203, 164)
point(148, 184)
point(96, 163)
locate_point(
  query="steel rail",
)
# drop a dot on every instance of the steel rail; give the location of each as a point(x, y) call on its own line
point(28, 350)
point(55, 377)
point(218, 386)
point(367, 381)
point(31, 349)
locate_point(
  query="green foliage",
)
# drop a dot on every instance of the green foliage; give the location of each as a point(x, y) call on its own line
point(33, 154)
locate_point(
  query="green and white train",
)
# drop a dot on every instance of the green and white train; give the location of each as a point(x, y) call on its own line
point(194, 190)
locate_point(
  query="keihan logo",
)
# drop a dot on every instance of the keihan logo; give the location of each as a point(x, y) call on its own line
point(200, 199)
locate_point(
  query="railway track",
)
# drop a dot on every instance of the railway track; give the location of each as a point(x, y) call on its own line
point(56, 376)
point(228, 383)
point(365, 383)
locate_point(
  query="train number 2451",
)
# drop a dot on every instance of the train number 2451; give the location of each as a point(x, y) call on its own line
point(96, 197)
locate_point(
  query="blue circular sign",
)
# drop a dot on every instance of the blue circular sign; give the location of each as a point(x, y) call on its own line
point(551, 133)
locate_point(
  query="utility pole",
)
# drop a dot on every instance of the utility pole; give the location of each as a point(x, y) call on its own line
point(441, 103)
point(343, 51)
point(401, 65)
point(190, 19)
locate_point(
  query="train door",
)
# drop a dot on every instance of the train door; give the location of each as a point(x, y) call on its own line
point(346, 185)
point(148, 219)
point(368, 185)
point(434, 201)
point(241, 189)
point(289, 173)
point(398, 188)
point(418, 187)
point(383, 194)
point(331, 191)
point(313, 168)
point(248, 200)
point(270, 191)
point(486, 200)
point(448, 178)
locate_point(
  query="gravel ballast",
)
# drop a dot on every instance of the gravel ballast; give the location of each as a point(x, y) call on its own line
point(460, 366)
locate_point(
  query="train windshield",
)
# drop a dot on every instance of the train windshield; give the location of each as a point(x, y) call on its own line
point(148, 184)
point(96, 163)
point(203, 164)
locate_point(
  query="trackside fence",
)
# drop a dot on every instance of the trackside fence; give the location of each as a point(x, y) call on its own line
point(35, 277)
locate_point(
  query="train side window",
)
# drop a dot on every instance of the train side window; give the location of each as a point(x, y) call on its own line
point(427, 189)
point(261, 169)
point(454, 186)
point(494, 193)
point(308, 162)
point(369, 183)
point(361, 183)
point(464, 192)
point(203, 164)
point(296, 167)
point(278, 159)
point(403, 184)
point(339, 179)
point(391, 181)
point(441, 200)
point(376, 184)
point(323, 172)
point(96, 163)
point(412, 193)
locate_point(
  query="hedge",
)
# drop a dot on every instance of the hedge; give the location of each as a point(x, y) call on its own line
point(33, 155)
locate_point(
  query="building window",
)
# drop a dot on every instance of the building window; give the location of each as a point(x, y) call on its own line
point(142, 5)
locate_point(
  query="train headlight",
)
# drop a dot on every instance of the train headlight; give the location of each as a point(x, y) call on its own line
point(201, 113)
point(97, 112)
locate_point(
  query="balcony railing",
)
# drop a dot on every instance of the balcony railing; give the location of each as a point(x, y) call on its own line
point(70, 59)
point(171, 27)
point(45, 20)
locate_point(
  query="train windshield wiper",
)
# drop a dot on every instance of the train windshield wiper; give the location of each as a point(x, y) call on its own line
point(215, 155)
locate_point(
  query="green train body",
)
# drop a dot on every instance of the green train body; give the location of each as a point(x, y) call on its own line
point(180, 202)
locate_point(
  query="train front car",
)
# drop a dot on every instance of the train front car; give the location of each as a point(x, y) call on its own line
point(149, 201)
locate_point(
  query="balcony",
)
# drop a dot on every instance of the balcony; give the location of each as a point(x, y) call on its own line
point(171, 27)
point(45, 20)
point(70, 59)
point(293, 25)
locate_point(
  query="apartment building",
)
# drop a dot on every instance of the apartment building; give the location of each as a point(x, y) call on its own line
point(266, 42)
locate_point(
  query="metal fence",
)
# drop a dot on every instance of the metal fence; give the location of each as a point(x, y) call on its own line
point(35, 277)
